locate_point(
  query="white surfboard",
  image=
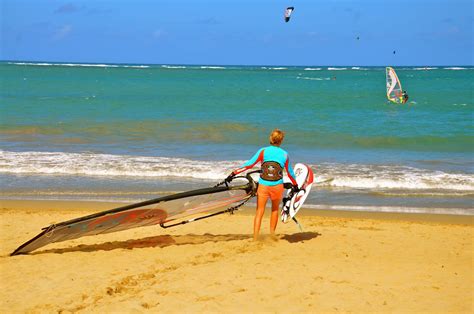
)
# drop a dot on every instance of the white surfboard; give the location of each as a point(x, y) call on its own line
point(304, 179)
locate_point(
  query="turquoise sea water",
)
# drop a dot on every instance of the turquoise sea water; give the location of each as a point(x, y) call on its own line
point(131, 132)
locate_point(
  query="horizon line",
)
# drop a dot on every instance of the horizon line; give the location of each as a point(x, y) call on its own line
point(236, 65)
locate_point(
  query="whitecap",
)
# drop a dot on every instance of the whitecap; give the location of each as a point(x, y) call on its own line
point(425, 68)
point(173, 66)
point(313, 78)
point(212, 67)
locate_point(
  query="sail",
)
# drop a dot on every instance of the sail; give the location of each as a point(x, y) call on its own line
point(156, 211)
point(288, 12)
point(394, 87)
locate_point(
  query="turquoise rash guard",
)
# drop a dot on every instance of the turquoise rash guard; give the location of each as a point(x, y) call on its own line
point(270, 153)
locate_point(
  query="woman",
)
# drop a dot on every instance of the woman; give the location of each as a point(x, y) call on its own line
point(273, 160)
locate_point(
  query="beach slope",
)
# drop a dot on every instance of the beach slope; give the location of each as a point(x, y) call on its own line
point(341, 262)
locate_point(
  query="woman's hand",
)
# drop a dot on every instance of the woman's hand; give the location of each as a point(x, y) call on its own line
point(295, 189)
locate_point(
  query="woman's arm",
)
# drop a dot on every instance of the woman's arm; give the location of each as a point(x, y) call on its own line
point(258, 157)
point(290, 172)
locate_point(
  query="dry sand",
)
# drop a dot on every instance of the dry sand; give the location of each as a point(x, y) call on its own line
point(342, 262)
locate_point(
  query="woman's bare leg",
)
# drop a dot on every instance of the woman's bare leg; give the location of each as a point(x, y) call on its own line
point(257, 222)
point(274, 216)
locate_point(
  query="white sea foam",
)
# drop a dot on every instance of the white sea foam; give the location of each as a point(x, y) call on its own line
point(87, 65)
point(212, 67)
point(425, 68)
point(313, 78)
point(136, 66)
point(337, 69)
point(312, 69)
point(406, 181)
point(80, 65)
point(345, 176)
point(395, 209)
point(379, 177)
point(90, 164)
point(30, 63)
point(173, 66)
point(455, 68)
point(273, 68)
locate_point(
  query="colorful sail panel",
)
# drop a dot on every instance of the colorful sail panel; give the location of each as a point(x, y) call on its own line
point(394, 87)
point(154, 212)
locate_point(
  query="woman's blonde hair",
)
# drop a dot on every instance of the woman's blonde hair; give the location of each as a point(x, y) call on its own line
point(276, 137)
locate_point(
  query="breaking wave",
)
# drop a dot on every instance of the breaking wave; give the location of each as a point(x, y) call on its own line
point(313, 78)
point(455, 68)
point(212, 67)
point(81, 65)
point(345, 176)
point(173, 66)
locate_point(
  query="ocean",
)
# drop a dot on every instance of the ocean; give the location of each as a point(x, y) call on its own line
point(116, 132)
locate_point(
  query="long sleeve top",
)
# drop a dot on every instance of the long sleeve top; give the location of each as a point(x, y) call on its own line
point(270, 153)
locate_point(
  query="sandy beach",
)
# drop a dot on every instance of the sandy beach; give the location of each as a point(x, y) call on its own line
point(162, 111)
point(341, 262)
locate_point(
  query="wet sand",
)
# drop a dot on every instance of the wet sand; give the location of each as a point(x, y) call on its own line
point(342, 261)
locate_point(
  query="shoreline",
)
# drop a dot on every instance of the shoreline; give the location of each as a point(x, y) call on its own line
point(81, 206)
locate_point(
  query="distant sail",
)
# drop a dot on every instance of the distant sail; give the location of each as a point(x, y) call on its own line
point(288, 12)
point(394, 87)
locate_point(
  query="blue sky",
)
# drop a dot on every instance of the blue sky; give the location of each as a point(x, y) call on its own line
point(243, 32)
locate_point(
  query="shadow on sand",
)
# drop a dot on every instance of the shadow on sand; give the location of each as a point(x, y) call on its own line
point(149, 242)
point(300, 237)
point(167, 240)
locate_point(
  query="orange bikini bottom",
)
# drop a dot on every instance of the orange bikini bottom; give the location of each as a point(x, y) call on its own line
point(273, 192)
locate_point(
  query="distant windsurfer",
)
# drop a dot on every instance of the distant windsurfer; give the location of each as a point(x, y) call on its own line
point(404, 97)
point(395, 92)
point(273, 159)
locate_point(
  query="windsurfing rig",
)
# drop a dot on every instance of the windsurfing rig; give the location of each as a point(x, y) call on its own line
point(394, 86)
point(167, 211)
point(228, 210)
